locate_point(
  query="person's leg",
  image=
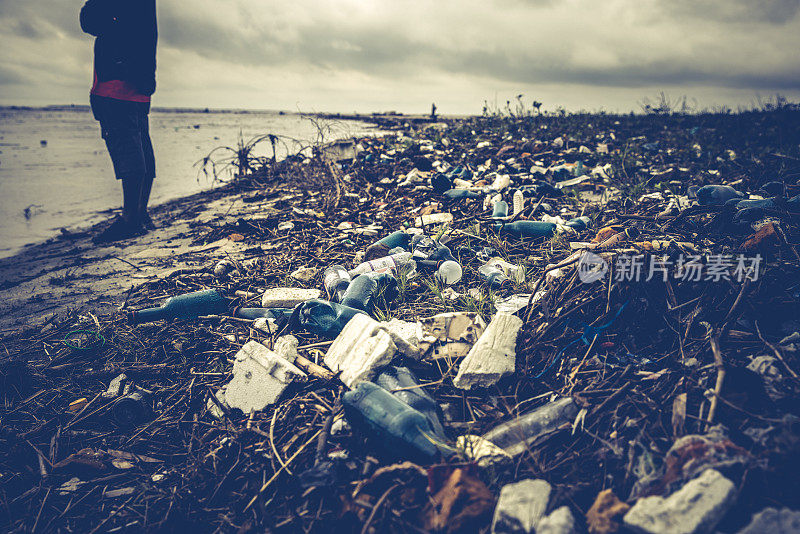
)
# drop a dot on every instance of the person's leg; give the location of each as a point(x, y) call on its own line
point(120, 131)
point(149, 175)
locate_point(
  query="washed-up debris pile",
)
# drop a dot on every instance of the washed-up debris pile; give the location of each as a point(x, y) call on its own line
point(542, 324)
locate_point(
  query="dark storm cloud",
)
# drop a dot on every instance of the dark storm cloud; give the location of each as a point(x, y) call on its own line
point(384, 49)
point(777, 12)
point(736, 44)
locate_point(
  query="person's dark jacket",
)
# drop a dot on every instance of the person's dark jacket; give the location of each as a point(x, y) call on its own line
point(125, 48)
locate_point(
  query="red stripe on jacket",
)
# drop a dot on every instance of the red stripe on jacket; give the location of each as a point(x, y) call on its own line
point(117, 89)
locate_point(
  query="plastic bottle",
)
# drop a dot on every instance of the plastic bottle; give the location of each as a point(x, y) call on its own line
point(493, 276)
point(442, 253)
point(336, 279)
point(130, 410)
point(380, 248)
point(460, 194)
point(395, 262)
point(403, 384)
point(423, 246)
point(262, 313)
point(396, 428)
point(527, 228)
point(188, 306)
point(441, 182)
point(500, 210)
point(365, 288)
point(515, 436)
point(716, 195)
point(580, 223)
point(518, 202)
point(511, 271)
point(449, 272)
point(322, 317)
point(764, 204)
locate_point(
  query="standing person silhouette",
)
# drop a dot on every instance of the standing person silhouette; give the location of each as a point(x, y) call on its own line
point(126, 34)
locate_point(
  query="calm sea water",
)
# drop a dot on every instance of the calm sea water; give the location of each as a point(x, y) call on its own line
point(55, 171)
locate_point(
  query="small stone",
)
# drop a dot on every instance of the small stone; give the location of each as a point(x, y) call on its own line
point(285, 226)
point(482, 451)
point(606, 513)
point(520, 507)
point(305, 274)
point(773, 521)
point(561, 521)
point(696, 508)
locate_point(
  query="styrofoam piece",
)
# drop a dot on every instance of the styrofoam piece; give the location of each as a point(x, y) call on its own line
point(287, 297)
point(286, 347)
point(362, 347)
point(451, 335)
point(493, 356)
point(406, 336)
point(259, 377)
point(433, 218)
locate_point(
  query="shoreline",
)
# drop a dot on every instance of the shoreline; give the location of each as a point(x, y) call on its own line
point(69, 272)
point(45, 280)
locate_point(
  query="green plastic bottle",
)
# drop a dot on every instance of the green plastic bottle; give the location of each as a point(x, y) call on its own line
point(527, 228)
point(188, 306)
point(381, 248)
point(321, 317)
point(396, 428)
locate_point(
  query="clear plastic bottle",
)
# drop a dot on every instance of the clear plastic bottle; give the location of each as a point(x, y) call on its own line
point(493, 276)
point(336, 279)
point(263, 313)
point(500, 209)
point(395, 262)
point(516, 435)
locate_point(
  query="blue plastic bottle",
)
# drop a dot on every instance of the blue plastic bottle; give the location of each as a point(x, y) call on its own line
point(460, 194)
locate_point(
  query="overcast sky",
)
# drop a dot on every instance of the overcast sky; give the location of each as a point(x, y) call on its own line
point(349, 55)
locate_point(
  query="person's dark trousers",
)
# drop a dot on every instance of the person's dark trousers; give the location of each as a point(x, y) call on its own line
point(126, 131)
